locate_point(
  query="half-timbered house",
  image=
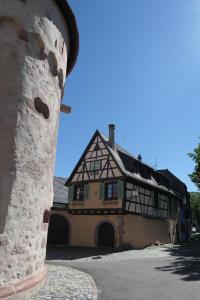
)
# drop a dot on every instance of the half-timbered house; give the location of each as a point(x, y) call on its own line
point(115, 199)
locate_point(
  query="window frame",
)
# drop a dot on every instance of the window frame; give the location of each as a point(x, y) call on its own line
point(114, 190)
point(82, 188)
point(156, 200)
point(94, 168)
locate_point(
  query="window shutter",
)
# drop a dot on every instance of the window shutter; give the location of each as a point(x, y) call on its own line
point(120, 189)
point(71, 193)
point(102, 191)
point(86, 191)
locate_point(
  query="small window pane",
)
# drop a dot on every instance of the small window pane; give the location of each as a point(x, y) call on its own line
point(97, 165)
point(111, 190)
point(92, 166)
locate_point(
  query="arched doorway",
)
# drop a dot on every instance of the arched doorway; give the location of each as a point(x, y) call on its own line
point(106, 235)
point(58, 231)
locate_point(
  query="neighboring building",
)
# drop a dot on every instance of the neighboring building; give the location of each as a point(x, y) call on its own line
point(60, 198)
point(117, 200)
point(185, 214)
point(58, 225)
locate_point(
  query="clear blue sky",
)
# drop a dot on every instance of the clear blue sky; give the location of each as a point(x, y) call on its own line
point(139, 68)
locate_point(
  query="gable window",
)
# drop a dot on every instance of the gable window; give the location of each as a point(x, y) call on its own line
point(79, 192)
point(111, 190)
point(95, 165)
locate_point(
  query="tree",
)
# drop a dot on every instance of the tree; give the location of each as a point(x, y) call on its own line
point(195, 176)
point(195, 205)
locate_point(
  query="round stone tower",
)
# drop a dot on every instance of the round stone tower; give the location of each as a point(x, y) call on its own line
point(38, 48)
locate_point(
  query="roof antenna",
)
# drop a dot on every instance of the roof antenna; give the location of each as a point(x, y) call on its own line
point(155, 165)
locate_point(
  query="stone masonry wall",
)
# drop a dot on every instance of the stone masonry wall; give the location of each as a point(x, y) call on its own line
point(33, 49)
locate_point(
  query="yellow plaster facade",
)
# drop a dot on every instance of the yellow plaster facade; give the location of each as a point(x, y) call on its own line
point(134, 230)
point(93, 201)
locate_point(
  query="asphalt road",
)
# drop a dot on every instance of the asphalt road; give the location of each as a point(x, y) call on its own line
point(174, 277)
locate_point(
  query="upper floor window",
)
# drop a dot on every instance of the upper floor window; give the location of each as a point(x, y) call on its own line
point(95, 165)
point(79, 193)
point(156, 200)
point(172, 205)
point(111, 189)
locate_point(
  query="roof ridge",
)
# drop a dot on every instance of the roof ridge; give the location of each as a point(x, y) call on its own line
point(124, 151)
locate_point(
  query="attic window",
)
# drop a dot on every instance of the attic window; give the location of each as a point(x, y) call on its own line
point(136, 167)
point(142, 171)
point(95, 165)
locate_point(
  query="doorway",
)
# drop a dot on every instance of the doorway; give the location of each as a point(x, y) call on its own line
point(106, 235)
point(58, 231)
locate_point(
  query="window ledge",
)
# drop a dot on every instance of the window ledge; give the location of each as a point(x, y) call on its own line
point(111, 201)
point(76, 202)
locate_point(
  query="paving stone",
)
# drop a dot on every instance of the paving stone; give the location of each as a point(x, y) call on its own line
point(65, 283)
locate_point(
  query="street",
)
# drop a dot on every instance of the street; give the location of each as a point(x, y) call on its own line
point(160, 273)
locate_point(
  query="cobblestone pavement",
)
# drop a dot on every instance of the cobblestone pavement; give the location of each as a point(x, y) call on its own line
point(65, 283)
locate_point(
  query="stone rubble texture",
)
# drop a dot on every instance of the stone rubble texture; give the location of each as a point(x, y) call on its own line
point(66, 284)
point(33, 49)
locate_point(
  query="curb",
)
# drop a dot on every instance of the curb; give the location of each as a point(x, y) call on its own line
point(25, 288)
point(94, 287)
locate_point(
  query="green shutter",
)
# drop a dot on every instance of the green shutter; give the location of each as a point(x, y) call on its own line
point(102, 191)
point(120, 189)
point(86, 191)
point(71, 193)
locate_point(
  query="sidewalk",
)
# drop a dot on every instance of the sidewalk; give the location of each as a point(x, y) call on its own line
point(65, 283)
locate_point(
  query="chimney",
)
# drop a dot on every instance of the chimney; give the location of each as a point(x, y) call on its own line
point(139, 157)
point(111, 135)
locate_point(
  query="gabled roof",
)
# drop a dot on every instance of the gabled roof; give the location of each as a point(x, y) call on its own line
point(131, 167)
point(125, 160)
point(82, 156)
point(177, 185)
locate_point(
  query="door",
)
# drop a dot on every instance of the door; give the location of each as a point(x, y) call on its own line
point(106, 235)
point(58, 231)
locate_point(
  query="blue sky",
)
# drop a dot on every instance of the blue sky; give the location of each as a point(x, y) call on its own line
point(139, 68)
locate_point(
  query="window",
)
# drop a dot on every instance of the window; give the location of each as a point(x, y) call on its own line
point(79, 193)
point(95, 165)
point(156, 200)
point(172, 206)
point(111, 190)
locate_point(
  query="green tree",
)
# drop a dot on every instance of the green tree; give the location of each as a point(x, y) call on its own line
point(195, 176)
point(195, 205)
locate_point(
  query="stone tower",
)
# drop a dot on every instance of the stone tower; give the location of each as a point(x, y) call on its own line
point(38, 48)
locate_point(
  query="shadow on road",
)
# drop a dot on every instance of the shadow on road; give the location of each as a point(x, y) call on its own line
point(187, 260)
point(72, 253)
